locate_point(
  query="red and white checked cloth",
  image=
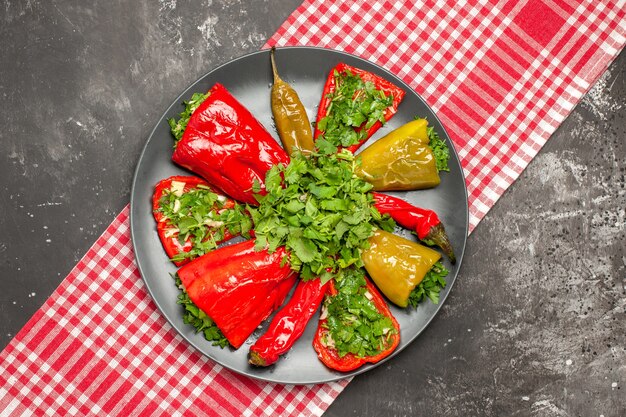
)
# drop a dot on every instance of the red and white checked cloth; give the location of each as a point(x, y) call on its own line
point(502, 76)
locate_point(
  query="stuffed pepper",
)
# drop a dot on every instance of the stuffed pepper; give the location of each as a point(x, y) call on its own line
point(355, 104)
point(223, 143)
point(356, 326)
point(238, 287)
point(401, 160)
point(192, 219)
point(397, 265)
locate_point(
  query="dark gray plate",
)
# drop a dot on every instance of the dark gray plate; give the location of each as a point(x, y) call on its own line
point(249, 79)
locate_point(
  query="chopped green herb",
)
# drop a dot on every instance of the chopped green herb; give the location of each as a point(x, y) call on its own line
point(354, 323)
point(439, 148)
point(320, 211)
point(200, 216)
point(198, 318)
point(431, 285)
point(178, 126)
point(355, 107)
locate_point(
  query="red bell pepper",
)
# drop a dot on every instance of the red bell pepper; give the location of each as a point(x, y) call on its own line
point(329, 355)
point(380, 83)
point(168, 236)
point(289, 323)
point(227, 146)
point(238, 287)
point(424, 222)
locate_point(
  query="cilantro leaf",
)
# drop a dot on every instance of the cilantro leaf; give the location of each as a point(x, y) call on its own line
point(317, 208)
point(303, 248)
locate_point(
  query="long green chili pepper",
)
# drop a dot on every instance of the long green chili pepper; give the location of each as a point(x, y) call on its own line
point(290, 115)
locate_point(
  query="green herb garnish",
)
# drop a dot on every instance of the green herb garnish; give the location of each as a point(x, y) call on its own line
point(178, 126)
point(354, 323)
point(320, 211)
point(354, 104)
point(439, 148)
point(200, 216)
point(431, 285)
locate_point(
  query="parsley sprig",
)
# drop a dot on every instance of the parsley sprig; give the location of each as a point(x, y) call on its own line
point(320, 211)
point(354, 108)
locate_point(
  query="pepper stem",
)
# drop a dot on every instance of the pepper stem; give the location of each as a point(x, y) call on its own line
point(255, 359)
point(274, 70)
point(438, 236)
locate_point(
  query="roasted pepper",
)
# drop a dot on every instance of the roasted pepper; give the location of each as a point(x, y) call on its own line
point(397, 265)
point(351, 111)
point(326, 348)
point(401, 160)
point(424, 222)
point(228, 147)
point(166, 192)
point(292, 122)
point(289, 323)
point(238, 287)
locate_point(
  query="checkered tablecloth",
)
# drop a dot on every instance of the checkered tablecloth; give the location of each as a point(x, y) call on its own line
point(501, 76)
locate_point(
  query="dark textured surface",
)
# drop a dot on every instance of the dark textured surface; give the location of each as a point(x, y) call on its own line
point(535, 324)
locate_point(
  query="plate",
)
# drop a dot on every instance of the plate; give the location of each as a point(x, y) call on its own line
point(249, 79)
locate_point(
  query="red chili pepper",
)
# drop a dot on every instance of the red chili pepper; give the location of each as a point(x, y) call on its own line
point(227, 146)
point(330, 357)
point(169, 239)
point(238, 287)
point(380, 84)
point(289, 323)
point(424, 222)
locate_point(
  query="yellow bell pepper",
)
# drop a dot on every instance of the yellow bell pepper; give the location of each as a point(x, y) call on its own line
point(402, 160)
point(397, 265)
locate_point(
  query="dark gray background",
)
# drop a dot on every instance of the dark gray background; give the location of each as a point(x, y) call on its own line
point(535, 324)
